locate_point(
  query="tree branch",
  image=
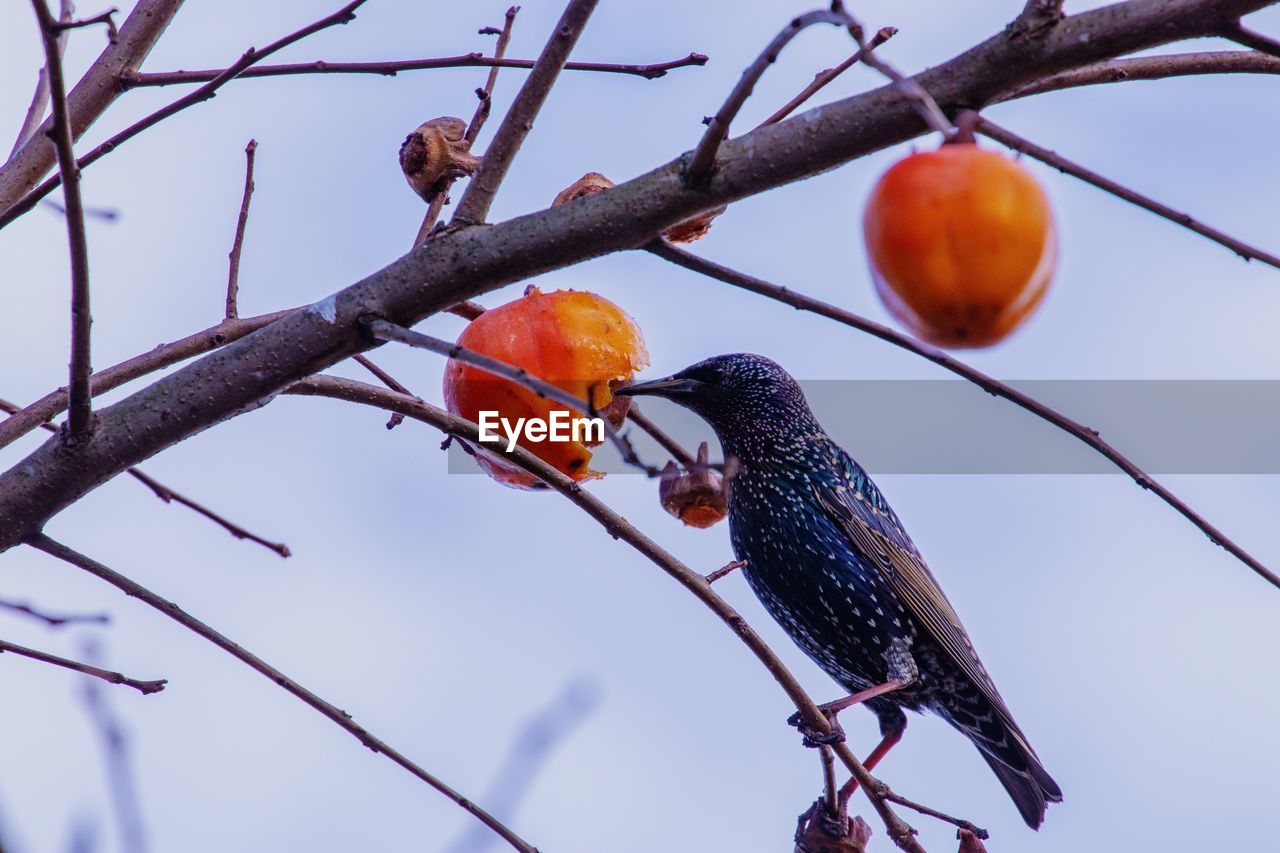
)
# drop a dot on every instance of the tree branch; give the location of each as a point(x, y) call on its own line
point(393, 67)
point(80, 420)
point(1062, 164)
point(1242, 35)
point(204, 93)
point(822, 78)
point(516, 124)
point(107, 17)
point(704, 155)
point(43, 543)
point(485, 94)
point(40, 98)
point(463, 263)
point(52, 404)
point(143, 687)
point(1149, 68)
point(237, 244)
point(168, 495)
point(116, 757)
point(619, 528)
point(90, 98)
point(437, 201)
point(986, 383)
point(55, 621)
point(669, 444)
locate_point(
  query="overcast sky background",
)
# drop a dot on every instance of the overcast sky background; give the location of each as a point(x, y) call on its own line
point(443, 611)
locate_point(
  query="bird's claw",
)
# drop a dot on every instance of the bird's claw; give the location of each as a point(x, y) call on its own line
point(814, 738)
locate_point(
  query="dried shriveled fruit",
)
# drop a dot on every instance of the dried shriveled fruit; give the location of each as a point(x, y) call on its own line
point(436, 151)
point(589, 184)
point(696, 496)
point(682, 232)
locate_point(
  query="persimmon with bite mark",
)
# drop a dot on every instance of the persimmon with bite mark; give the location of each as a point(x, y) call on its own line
point(578, 341)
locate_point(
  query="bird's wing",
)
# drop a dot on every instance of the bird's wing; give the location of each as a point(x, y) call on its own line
point(862, 515)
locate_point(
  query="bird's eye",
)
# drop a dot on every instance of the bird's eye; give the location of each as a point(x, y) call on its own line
point(711, 374)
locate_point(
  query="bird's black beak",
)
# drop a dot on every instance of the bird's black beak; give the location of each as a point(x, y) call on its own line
point(672, 386)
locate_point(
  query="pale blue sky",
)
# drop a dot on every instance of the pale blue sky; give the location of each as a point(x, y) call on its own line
point(442, 611)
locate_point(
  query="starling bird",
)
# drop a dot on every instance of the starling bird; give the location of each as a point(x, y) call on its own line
point(832, 564)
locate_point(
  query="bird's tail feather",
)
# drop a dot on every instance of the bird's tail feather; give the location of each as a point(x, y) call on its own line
point(1028, 783)
point(991, 729)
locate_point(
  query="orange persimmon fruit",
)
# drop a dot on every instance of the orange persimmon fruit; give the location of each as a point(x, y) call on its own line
point(962, 244)
point(577, 341)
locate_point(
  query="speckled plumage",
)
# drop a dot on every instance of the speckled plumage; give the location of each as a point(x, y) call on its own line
point(834, 566)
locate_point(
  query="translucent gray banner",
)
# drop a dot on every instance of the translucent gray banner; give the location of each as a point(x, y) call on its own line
point(953, 427)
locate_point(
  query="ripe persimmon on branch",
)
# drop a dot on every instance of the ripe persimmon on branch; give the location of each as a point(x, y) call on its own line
point(239, 365)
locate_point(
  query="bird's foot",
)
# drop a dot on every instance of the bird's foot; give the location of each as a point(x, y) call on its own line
point(813, 738)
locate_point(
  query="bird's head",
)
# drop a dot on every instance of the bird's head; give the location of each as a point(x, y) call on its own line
point(738, 395)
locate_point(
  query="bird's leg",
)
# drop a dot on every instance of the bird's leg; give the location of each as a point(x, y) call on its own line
point(831, 709)
point(886, 743)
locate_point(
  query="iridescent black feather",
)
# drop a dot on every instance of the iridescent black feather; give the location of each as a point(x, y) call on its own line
point(833, 564)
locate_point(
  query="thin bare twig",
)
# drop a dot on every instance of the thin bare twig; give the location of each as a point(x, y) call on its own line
point(535, 742)
point(237, 245)
point(94, 94)
point(384, 331)
point(119, 763)
point(485, 93)
point(830, 790)
point(823, 78)
point(1038, 14)
point(55, 621)
point(1242, 35)
point(1149, 68)
point(341, 718)
point(386, 379)
point(204, 93)
point(727, 568)
point(910, 87)
point(959, 823)
point(437, 201)
point(1017, 143)
point(466, 310)
point(168, 495)
point(40, 98)
point(987, 383)
point(619, 528)
point(516, 124)
point(101, 18)
point(669, 444)
point(50, 405)
point(80, 405)
point(704, 156)
point(143, 687)
point(391, 68)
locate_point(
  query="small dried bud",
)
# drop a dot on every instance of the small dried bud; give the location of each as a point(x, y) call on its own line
point(589, 184)
point(970, 842)
point(695, 228)
point(437, 151)
point(697, 496)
